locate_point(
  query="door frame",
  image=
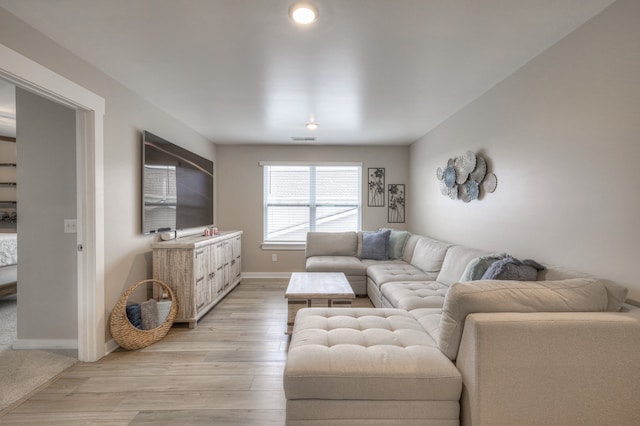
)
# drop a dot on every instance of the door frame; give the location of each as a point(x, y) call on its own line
point(90, 108)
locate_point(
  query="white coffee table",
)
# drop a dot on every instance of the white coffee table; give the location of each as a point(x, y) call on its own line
point(308, 289)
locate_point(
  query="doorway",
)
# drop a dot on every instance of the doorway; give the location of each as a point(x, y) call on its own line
point(89, 111)
point(47, 199)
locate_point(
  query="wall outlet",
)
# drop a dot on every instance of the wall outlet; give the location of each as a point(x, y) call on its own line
point(274, 257)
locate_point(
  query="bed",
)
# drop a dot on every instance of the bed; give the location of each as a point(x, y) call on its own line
point(8, 263)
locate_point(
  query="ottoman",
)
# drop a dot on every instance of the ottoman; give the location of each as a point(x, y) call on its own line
point(367, 366)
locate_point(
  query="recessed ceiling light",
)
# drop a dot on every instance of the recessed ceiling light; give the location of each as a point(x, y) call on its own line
point(303, 13)
point(312, 125)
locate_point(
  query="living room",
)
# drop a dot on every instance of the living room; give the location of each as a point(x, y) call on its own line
point(559, 132)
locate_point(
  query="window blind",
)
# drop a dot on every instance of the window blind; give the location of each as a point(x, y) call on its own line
point(299, 198)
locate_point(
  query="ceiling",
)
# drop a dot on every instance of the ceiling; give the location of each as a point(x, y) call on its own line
point(369, 71)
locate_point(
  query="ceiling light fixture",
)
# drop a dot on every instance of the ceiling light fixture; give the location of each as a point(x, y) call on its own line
point(303, 13)
point(312, 125)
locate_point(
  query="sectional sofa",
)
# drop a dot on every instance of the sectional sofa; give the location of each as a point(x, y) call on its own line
point(560, 350)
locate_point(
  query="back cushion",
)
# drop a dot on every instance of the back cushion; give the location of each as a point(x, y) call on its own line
point(331, 244)
point(462, 299)
point(409, 247)
point(616, 293)
point(428, 254)
point(454, 263)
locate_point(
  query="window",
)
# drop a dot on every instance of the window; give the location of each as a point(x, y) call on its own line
point(299, 198)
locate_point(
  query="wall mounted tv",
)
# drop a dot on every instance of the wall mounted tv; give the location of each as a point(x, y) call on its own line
point(177, 187)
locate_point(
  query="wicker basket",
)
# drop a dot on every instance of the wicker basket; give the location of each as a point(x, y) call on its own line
point(131, 338)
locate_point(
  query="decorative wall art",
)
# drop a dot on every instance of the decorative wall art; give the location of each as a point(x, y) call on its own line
point(396, 203)
point(376, 187)
point(465, 178)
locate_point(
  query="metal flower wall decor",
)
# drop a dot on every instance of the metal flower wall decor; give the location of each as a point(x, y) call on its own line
point(376, 187)
point(465, 177)
point(396, 203)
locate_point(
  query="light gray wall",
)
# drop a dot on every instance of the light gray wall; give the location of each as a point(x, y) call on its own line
point(46, 175)
point(127, 251)
point(240, 195)
point(562, 136)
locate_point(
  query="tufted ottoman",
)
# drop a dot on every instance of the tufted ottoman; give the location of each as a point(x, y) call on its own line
point(365, 367)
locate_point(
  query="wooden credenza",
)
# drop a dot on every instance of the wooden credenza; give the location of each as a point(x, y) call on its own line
point(200, 271)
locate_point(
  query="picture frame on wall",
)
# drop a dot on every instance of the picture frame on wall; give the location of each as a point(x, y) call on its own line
point(376, 187)
point(396, 197)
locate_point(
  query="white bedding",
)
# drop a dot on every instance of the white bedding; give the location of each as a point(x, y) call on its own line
point(8, 249)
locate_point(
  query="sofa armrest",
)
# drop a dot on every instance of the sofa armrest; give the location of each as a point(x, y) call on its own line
point(550, 369)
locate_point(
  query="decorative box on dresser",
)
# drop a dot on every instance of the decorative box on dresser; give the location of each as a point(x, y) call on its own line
point(200, 270)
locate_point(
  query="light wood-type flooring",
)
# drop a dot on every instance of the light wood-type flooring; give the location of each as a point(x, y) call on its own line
point(226, 371)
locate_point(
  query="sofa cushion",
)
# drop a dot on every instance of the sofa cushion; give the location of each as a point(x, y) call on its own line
point(409, 247)
point(455, 262)
point(428, 256)
point(476, 268)
point(331, 244)
point(429, 319)
point(462, 299)
point(397, 242)
point(375, 245)
point(370, 262)
point(616, 294)
point(411, 295)
point(366, 354)
point(381, 273)
point(347, 264)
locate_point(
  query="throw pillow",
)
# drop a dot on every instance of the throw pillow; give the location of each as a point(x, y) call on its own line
point(478, 266)
point(375, 245)
point(397, 242)
point(513, 269)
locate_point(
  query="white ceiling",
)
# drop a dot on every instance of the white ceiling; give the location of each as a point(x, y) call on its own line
point(369, 71)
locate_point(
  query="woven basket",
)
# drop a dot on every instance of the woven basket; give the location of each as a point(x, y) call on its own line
point(131, 338)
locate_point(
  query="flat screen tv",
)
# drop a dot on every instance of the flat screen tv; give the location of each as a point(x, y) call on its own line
point(177, 187)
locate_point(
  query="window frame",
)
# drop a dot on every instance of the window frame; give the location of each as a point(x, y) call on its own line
point(300, 245)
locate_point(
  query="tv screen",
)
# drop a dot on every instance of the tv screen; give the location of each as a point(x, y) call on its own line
point(177, 187)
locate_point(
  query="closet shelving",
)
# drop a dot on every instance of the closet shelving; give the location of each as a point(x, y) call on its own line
point(8, 185)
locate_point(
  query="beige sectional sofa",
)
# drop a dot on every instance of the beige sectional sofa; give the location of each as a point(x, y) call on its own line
point(563, 350)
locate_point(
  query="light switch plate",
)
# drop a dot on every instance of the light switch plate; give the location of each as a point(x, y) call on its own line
point(70, 226)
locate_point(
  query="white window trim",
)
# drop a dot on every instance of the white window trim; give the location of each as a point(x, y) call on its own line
point(283, 246)
point(311, 163)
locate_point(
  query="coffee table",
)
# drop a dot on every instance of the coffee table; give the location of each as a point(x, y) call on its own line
point(308, 289)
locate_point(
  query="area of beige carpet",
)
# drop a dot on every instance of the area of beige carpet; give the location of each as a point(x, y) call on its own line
point(8, 314)
point(23, 371)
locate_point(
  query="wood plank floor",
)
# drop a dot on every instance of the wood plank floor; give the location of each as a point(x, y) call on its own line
point(226, 371)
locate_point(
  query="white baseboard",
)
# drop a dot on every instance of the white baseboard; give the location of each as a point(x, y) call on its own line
point(110, 346)
point(45, 344)
point(267, 275)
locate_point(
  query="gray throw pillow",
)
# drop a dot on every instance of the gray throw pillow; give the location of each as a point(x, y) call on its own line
point(375, 245)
